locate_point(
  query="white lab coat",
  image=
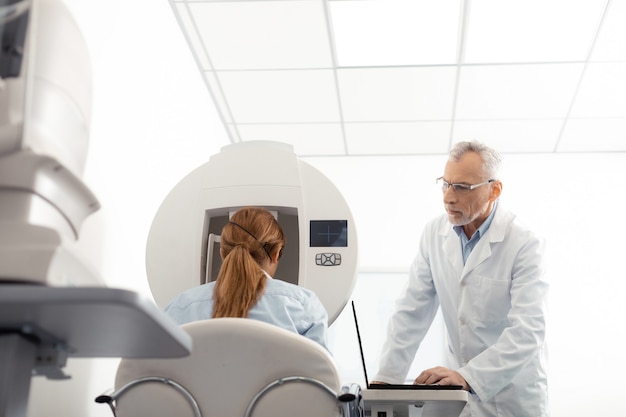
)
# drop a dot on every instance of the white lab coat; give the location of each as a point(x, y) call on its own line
point(494, 311)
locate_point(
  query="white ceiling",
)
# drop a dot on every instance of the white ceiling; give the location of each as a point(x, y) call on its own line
point(394, 77)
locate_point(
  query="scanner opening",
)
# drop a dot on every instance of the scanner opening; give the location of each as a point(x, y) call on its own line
point(216, 219)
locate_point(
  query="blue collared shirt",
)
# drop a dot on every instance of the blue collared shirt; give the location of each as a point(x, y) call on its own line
point(286, 305)
point(467, 245)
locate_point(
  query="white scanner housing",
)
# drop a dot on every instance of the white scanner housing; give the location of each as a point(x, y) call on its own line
point(45, 112)
point(321, 250)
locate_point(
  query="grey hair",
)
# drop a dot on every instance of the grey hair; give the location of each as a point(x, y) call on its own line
point(491, 158)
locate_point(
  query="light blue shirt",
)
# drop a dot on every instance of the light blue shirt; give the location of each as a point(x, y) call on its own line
point(468, 244)
point(286, 305)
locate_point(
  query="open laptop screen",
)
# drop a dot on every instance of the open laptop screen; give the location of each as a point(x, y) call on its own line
point(393, 386)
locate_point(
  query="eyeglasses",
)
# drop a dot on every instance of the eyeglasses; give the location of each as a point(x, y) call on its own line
point(460, 188)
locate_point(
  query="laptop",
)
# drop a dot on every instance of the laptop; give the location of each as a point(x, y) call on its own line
point(394, 386)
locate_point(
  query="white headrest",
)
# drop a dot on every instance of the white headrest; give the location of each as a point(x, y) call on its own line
point(232, 361)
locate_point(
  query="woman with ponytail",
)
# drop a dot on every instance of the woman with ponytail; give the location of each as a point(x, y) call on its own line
point(251, 245)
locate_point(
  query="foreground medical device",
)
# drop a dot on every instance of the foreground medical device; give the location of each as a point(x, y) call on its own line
point(321, 250)
point(52, 305)
point(45, 110)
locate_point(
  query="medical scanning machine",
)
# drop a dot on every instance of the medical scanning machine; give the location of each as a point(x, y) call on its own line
point(242, 367)
point(321, 250)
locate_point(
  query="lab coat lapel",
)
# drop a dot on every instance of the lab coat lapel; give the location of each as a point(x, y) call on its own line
point(452, 249)
point(494, 234)
point(479, 254)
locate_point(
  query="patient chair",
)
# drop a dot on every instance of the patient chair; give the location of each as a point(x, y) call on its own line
point(237, 368)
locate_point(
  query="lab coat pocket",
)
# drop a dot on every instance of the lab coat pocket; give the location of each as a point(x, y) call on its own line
point(490, 299)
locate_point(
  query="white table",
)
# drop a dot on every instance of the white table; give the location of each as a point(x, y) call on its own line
point(41, 326)
point(415, 403)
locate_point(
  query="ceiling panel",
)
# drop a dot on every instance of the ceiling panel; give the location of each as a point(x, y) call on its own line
point(602, 91)
point(281, 96)
point(531, 30)
point(512, 135)
point(392, 77)
point(397, 138)
point(263, 34)
point(397, 93)
point(611, 42)
point(516, 91)
point(400, 32)
point(594, 135)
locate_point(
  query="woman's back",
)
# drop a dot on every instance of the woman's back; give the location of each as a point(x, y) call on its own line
point(283, 304)
point(251, 245)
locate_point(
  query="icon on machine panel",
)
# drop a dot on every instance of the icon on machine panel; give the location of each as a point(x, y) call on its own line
point(328, 259)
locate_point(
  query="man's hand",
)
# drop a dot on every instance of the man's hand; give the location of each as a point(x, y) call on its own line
point(378, 383)
point(442, 376)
